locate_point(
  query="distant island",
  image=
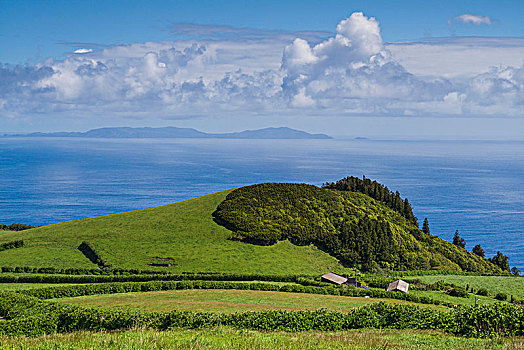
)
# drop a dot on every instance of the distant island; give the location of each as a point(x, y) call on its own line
point(187, 133)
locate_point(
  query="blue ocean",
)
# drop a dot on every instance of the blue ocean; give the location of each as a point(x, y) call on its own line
point(476, 187)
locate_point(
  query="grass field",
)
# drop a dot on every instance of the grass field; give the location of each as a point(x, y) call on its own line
point(227, 301)
point(227, 338)
point(442, 296)
point(184, 231)
point(494, 284)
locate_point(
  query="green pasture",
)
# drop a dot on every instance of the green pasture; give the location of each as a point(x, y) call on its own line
point(227, 301)
point(228, 338)
point(444, 297)
point(184, 231)
point(510, 285)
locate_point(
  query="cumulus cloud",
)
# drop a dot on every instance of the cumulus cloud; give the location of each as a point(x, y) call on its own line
point(353, 69)
point(352, 72)
point(473, 19)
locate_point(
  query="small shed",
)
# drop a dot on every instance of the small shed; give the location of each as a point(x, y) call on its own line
point(333, 278)
point(398, 286)
point(337, 279)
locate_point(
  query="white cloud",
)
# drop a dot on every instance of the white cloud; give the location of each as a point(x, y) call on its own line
point(83, 51)
point(473, 19)
point(352, 72)
point(457, 57)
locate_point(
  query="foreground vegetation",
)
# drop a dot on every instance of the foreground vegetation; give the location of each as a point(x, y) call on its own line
point(26, 315)
point(238, 268)
point(229, 338)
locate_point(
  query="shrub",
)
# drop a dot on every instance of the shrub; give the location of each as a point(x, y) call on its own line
point(458, 292)
point(501, 296)
point(11, 245)
point(483, 292)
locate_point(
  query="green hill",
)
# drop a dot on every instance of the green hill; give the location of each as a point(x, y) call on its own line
point(183, 231)
point(292, 228)
point(358, 230)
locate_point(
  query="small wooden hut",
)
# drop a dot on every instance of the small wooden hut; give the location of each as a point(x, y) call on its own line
point(337, 279)
point(398, 286)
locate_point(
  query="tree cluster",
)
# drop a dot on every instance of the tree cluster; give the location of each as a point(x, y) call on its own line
point(346, 224)
point(458, 241)
point(376, 191)
point(11, 245)
point(15, 227)
point(501, 261)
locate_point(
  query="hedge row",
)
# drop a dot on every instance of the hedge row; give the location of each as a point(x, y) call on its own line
point(92, 254)
point(77, 271)
point(11, 245)
point(127, 287)
point(145, 278)
point(45, 318)
point(443, 272)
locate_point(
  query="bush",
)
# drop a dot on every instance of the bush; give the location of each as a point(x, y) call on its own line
point(11, 245)
point(483, 292)
point(501, 296)
point(458, 292)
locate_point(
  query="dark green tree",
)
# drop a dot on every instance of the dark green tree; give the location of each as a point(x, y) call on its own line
point(479, 251)
point(425, 226)
point(501, 261)
point(459, 242)
point(515, 271)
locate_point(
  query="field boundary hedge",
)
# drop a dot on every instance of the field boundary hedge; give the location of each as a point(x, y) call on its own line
point(128, 287)
point(405, 273)
point(146, 278)
point(25, 315)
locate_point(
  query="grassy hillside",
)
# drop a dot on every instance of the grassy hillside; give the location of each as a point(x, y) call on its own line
point(352, 226)
point(184, 231)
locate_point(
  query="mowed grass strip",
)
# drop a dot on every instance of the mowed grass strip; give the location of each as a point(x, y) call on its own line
point(227, 301)
point(228, 338)
point(511, 285)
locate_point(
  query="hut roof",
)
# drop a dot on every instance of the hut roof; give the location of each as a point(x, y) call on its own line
point(333, 277)
point(399, 285)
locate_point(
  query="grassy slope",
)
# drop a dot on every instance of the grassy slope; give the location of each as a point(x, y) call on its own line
point(184, 231)
point(494, 284)
point(216, 300)
point(227, 338)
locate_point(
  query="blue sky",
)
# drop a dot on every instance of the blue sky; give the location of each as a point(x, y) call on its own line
point(35, 30)
point(225, 65)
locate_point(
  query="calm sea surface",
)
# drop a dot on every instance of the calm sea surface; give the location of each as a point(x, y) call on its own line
point(476, 187)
